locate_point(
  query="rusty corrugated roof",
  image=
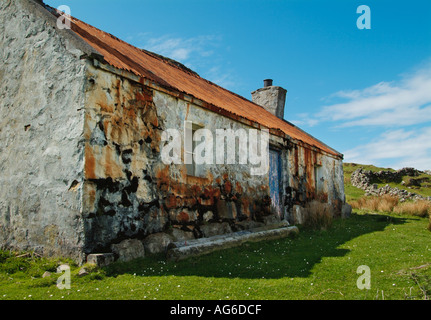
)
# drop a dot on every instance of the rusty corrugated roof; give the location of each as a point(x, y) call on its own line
point(171, 74)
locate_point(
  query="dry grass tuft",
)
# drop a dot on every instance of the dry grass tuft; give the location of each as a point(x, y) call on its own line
point(364, 203)
point(386, 203)
point(419, 208)
point(319, 215)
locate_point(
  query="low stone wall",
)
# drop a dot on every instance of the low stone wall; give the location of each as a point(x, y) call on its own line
point(363, 179)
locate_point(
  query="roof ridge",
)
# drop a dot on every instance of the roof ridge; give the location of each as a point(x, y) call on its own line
point(170, 61)
point(167, 60)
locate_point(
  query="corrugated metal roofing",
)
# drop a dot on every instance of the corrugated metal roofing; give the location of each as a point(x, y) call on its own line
point(171, 74)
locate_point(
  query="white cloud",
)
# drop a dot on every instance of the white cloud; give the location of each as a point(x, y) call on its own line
point(221, 77)
point(396, 149)
point(184, 50)
point(400, 113)
point(304, 119)
point(385, 104)
point(380, 88)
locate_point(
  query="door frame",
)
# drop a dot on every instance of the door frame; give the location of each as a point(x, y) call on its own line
point(276, 187)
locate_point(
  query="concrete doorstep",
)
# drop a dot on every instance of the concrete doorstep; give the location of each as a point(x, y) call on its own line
point(184, 249)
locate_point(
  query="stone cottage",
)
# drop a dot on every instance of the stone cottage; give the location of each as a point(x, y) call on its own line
point(84, 118)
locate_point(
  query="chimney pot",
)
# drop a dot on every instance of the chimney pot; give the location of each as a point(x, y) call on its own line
point(267, 83)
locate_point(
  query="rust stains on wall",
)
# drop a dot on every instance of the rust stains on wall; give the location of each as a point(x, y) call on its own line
point(302, 183)
point(309, 165)
point(90, 163)
point(131, 193)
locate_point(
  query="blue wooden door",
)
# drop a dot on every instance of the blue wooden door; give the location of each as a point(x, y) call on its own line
point(274, 181)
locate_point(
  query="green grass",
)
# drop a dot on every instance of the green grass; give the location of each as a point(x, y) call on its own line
point(352, 193)
point(315, 265)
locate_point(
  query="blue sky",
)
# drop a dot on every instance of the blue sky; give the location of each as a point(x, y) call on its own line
point(366, 93)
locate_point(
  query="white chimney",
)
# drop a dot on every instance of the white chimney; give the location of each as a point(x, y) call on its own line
point(272, 98)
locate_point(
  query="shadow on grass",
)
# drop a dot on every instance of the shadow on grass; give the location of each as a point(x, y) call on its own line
point(267, 259)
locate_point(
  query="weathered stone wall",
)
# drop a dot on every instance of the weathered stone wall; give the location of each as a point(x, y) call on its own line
point(302, 166)
point(41, 125)
point(365, 180)
point(122, 137)
point(332, 180)
point(226, 191)
point(130, 193)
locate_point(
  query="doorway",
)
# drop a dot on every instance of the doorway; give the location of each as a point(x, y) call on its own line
point(275, 181)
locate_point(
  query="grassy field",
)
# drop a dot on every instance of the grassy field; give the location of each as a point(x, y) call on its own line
point(317, 265)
